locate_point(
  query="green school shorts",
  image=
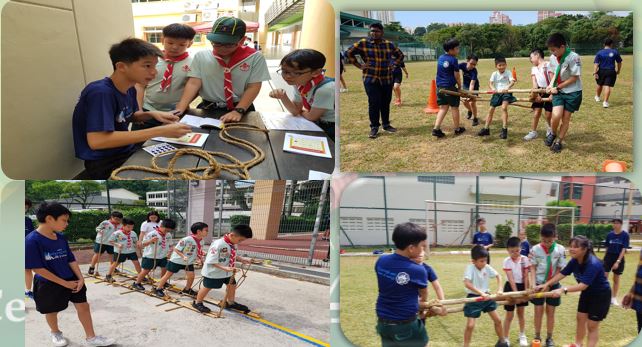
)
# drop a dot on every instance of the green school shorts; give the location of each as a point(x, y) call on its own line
point(445, 99)
point(497, 99)
point(570, 101)
point(411, 334)
point(215, 283)
point(148, 263)
point(124, 257)
point(475, 309)
point(175, 268)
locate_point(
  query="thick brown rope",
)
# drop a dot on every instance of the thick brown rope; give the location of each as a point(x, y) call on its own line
point(213, 169)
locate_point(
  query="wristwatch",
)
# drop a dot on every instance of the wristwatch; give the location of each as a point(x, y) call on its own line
point(241, 110)
point(565, 290)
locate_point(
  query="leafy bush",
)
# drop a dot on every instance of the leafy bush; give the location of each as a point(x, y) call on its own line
point(557, 216)
point(626, 50)
point(594, 232)
point(532, 233)
point(503, 232)
point(82, 225)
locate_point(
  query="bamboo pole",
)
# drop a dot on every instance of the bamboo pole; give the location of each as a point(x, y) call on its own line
point(496, 297)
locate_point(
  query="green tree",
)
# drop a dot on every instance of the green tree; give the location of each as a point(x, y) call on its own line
point(419, 31)
point(82, 192)
point(393, 27)
point(435, 26)
point(558, 216)
point(44, 190)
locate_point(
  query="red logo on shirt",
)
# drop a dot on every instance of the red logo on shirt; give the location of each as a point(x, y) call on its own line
point(186, 68)
point(244, 67)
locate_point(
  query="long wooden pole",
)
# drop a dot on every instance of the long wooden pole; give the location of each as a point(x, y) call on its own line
point(496, 297)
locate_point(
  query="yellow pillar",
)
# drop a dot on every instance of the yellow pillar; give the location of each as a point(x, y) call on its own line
point(318, 32)
point(267, 204)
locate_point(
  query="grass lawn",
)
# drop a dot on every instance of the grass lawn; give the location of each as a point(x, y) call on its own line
point(595, 133)
point(358, 290)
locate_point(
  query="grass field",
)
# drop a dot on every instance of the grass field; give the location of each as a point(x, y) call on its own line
point(595, 134)
point(358, 291)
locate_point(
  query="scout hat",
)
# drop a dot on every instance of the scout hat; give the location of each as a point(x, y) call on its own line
point(227, 30)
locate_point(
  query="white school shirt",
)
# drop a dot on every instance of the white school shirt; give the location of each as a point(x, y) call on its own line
point(161, 252)
point(104, 231)
point(541, 74)
point(155, 100)
point(501, 81)
point(479, 278)
point(147, 227)
point(218, 253)
point(187, 246)
point(119, 237)
point(323, 98)
point(572, 66)
point(518, 268)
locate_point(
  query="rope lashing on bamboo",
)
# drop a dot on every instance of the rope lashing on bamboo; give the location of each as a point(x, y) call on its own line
point(471, 96)
point(213, 169)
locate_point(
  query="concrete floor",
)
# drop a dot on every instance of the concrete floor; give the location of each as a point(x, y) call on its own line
point(135, 320)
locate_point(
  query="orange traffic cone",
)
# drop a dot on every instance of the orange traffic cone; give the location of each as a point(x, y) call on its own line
point(536, 343)
point(432, 106)
point(514, 74)
point(613, 166)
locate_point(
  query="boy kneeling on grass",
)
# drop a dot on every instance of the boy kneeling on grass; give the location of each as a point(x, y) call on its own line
point(58, 279)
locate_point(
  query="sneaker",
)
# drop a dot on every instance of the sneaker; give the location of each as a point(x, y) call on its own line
point(438, 133)
point(475, 121)
point(460, 130)
point(159, 292)
point(58, 340)
point(503, 134)
point(29, 294)
point(550, 138)
point(116, 271)
point(531, 135)
point(200, 307)
point(523, 341)
point(470, 114)
point(484, 132)
point(556, 147)
point(605, 104)
point(109, 279)
point(390, 129)
point(373, 133)
point(189, 291)
point(548, 130)
point(614, 302)
point(100, 341)
point(501, 343)
point(138, 286)
point(597, 98)
point(549, 342)
point(91, 271)
point(238, 307)
point(166, 285)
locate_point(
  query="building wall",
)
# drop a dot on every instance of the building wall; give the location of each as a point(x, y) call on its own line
point(51, 63)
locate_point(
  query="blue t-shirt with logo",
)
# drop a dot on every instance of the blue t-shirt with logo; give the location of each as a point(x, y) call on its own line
point(483, 239)
point(469, 75)
point(399, 280)
point(606, 58)
point(591, 273)
point(430, 273)
point(447, 65)
point(615, 242)
point(102, 107)
point(525, 248)
point(52, 255)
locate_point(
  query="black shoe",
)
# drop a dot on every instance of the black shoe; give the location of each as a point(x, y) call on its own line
point(159, 292)
point(556, 147)
point(390, 129)
point(550, 138)
point(503, 134)
point(470, 114)
point(91, 271)
point(484, 132)
point(200, 307)
point(166, 285)
point(238, 307)
point(138, 286)
point(373, 133)
point(501, 344)
point(188, 291)
point(109, 279)
point(549, 342)
point(460, 130)
point(116, 271)
point(475, 121)
point(438, 133)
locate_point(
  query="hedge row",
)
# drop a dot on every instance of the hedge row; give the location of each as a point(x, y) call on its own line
point(595, 232)
point(292, 224)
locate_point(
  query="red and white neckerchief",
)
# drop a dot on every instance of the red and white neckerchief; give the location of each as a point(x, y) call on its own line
point(114, 224)
point(306, 88)
point(162, 237)
point(169, 71)
point(237, 57)
point(199, 251)
point(227, 240)
point(129, 238)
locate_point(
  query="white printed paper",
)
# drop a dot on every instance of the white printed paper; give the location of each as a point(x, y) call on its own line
point(199, 122)
point(286, 121)
point(303, 144)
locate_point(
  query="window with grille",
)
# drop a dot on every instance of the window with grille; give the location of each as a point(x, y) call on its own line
point(153, 34)
point(436, 179)
point(352, 224)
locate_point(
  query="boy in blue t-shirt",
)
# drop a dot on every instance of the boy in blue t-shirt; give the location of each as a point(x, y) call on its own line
point(58, 279)
point(106, 107)
point(524, 245)
point(617, 241)
point(604, 70)
point(28, 229)
point(448, 78)
point(471, 84)
point(482, 237)
point(401, 282)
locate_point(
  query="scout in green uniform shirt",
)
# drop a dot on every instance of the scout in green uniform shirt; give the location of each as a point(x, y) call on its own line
point(219, 268)
point(157, 246)
point(188, 251)
point(103, 232)
point(125, 243)
point(566, 88)
point(228, 78)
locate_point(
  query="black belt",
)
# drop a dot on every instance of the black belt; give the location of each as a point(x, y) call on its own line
point(396, 322)
point(217, 104)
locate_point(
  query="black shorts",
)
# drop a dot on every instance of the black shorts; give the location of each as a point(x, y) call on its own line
point(150, 264)
point(124, 257)
point(606, 78)
point(175, 268)
point(596, 305)
point(51, 297)
point(103, 248)
point(546, 105)
point(507, 288)
point(101, 169)
point(215, 283)
point(447, 99)
point(609, 261)
point(397, 77)
point(549, 301)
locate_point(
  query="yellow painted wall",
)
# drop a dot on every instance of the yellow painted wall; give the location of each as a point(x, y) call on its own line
point(44, 69)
